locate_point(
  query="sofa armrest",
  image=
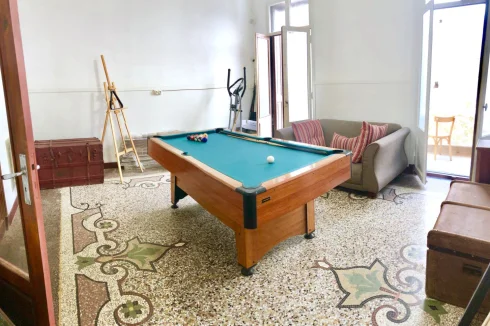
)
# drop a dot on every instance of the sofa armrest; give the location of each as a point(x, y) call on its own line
point(285, 133)
point(384, 160)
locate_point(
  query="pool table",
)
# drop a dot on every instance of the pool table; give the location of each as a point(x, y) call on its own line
point(264, 203)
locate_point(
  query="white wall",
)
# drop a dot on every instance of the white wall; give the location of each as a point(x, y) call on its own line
point(366, 59)
point(5, 153)
point(260, 11)
point(182, 47)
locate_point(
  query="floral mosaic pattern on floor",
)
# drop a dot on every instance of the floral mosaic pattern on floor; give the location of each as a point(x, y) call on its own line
point(127, 258)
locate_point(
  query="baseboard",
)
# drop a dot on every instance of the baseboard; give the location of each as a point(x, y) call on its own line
point(410, 169)
point(111, 165)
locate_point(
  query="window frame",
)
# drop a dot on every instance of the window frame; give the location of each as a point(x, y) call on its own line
point(457, 3)
point(287, 12)
point(269, 12)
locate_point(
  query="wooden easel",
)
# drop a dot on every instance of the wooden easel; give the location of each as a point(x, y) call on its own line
point(114, 105)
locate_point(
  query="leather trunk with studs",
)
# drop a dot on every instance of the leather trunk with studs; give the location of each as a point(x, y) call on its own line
point(69, 162)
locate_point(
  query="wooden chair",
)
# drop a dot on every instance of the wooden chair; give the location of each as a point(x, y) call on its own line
point(439, 138)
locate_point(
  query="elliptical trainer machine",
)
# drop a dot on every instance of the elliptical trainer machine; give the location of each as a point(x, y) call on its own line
point(236, 92)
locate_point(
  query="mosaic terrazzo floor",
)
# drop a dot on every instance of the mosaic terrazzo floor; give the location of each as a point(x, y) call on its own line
point(127, 258)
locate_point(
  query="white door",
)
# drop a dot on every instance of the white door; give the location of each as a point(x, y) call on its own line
point(24, 267)
point(421, 132)
point(297, 74)
point(483, 106)
point(263, 82)
point(483, 114)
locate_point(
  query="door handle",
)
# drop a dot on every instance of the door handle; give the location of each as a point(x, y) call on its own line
point(16, 174)
point(485, 107)
point(12, 175)
point(25, 178)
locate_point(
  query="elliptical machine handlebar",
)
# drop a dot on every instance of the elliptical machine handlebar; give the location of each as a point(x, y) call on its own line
point(242, 81)
point(236, 92)
point(228, 83)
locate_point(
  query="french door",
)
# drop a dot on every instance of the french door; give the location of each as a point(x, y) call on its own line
point(296, 49)
point(25, 293)
point(482, 121)
point(483, 110)
point(263, 84)
point(421, 131)
point(284, 79)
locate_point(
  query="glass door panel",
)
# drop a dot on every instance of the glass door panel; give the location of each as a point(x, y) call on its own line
point(299, 13)
point(278, 105)
point(297, 74)
point(456, 52)
point(277, 16)
point(12, 243)
point(264, 117)
point(483, 110)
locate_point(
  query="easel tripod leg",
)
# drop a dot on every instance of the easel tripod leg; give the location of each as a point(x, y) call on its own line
point(121, 131)
point(116, 149)
point(105, 125)
point(132, 142)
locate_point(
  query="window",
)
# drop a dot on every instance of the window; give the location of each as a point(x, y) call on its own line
point(299, 13)
point(297, 10)
point(278, 16)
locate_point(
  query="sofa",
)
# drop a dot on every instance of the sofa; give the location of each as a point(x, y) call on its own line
point(382, 160)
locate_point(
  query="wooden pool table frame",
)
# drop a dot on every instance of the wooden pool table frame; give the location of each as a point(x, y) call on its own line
point(261, 217)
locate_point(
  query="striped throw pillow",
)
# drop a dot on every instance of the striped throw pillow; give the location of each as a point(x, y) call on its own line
point(342, 142)
point(309, 132)
point(369, 134)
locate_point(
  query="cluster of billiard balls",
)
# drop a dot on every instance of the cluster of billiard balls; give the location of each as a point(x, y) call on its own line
point(201, 138)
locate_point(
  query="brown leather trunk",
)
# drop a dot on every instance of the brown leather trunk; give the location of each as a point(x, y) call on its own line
point(459, 245)
point(69, 162)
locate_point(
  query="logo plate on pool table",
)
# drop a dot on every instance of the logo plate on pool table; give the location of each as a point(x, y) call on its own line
point(265, 200)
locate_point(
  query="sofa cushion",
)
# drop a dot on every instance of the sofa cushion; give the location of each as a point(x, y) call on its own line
point(369, 133)
point(343, 142)
point(349, 128)
point(309, 132)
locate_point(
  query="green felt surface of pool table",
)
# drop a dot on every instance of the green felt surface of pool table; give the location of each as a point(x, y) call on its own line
point(243, 159)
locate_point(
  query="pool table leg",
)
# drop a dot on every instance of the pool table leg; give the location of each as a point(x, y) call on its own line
point(310, 220)
point(176, 193)
point(248, 271)
point(253, 244)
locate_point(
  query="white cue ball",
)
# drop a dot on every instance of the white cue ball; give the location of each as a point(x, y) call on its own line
point(270, 159)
